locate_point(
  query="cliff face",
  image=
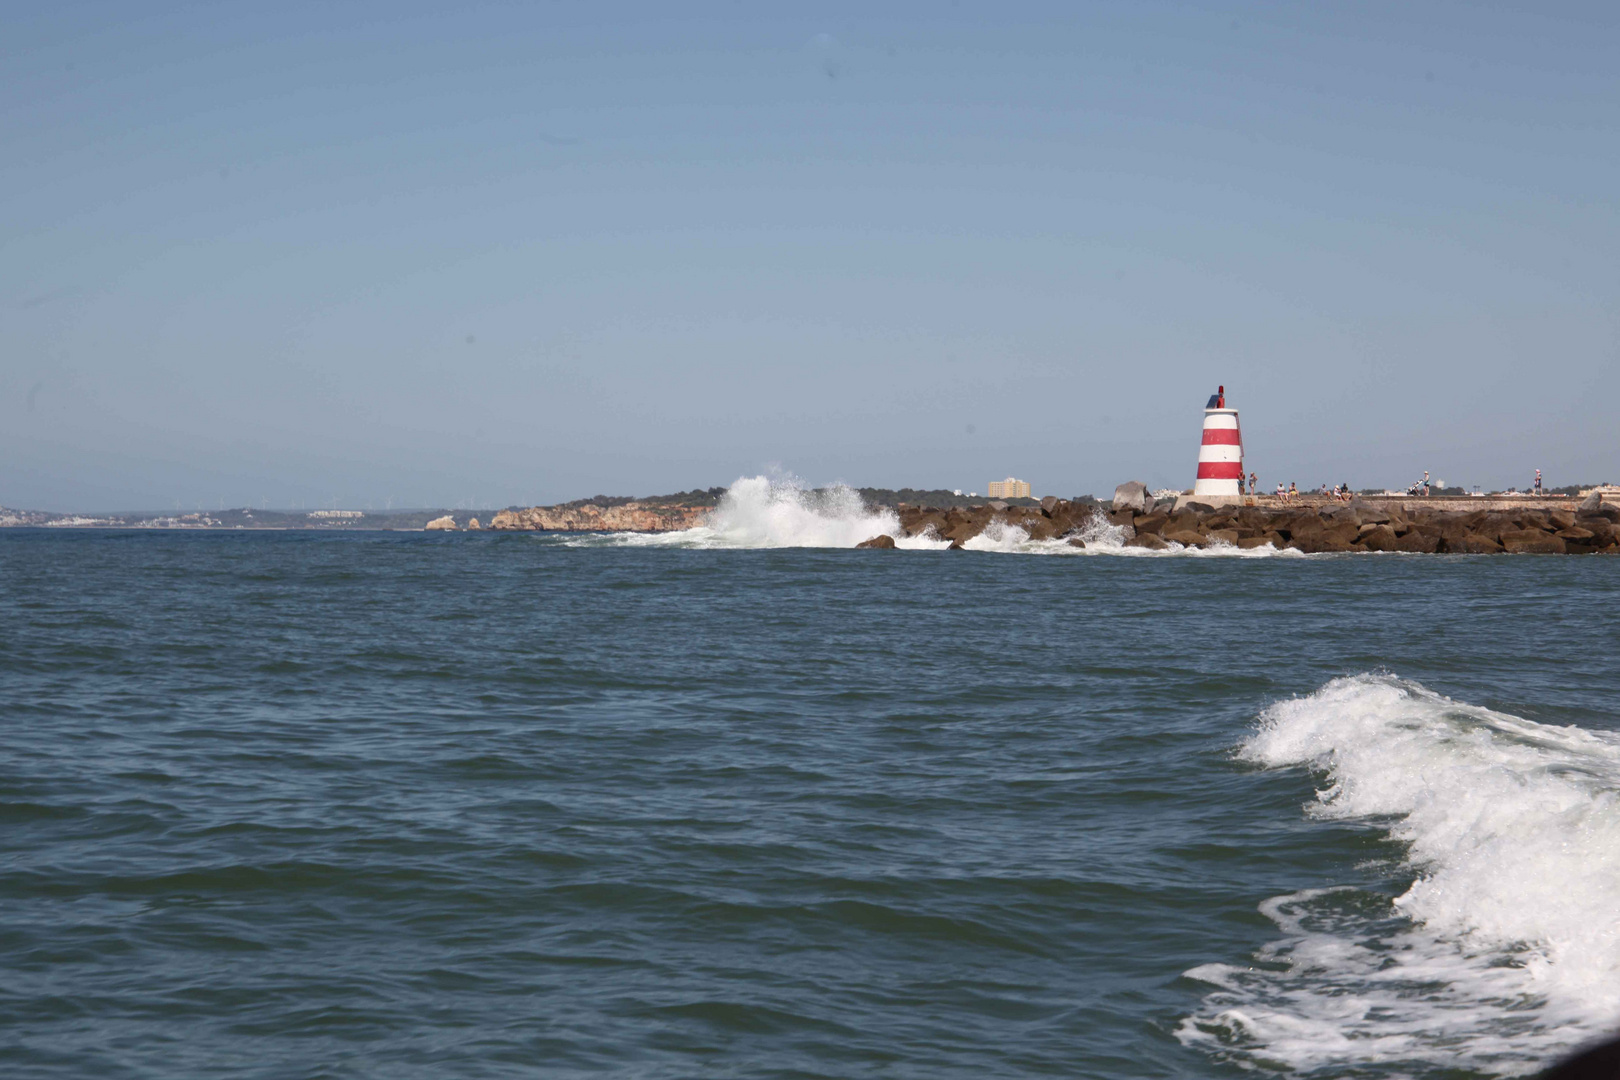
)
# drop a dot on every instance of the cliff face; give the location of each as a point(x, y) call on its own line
point(629, 517)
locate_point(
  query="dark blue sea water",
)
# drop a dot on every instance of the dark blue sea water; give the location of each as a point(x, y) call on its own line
point(414, 805)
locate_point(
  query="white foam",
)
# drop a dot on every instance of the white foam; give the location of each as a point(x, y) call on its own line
point(1505, 950)
point(760, 512)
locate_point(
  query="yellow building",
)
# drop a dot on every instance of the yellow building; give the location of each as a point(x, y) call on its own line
point(1010, 489)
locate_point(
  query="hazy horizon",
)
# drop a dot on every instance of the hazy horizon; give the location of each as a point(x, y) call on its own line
point(518, 256)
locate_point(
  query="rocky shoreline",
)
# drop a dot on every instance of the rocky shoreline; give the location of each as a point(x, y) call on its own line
point(1589, 528)
point(593, 517)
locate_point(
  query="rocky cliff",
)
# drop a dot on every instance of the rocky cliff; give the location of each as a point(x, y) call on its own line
point(589, 517)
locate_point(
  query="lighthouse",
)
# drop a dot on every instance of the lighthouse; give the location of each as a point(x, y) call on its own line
point(1220, 458)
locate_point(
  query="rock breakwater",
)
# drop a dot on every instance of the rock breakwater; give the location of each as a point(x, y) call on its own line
point(1344, 527)
point(592, 517)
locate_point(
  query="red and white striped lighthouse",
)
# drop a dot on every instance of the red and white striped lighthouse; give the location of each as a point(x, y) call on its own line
point(1220, 458)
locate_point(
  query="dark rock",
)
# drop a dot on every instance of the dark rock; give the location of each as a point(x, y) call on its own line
point(1200, 508)
point(1473, 544)
point(1076, 542)
point(1150, 523)
point(1223, 536)
point(1378, 538)
point(1603, 532)
point(1151, 541)
point(1248, 543)
point(1426, 543)
point(956, 545)
point(1038, 528)
point(1532, 542)
point(1561, 519)
point(1184, 537)
point(1320, 542)
point(880, 541)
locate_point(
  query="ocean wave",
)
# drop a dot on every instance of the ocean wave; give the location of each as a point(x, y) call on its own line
point(762, 512)
point(1505, 949)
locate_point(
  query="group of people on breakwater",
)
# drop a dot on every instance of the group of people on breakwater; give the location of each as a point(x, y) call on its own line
point(1343, 527)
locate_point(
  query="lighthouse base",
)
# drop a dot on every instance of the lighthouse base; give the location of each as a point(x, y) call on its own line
point(1207, 488)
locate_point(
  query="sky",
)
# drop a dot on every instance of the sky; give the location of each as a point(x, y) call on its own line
point(397, 254)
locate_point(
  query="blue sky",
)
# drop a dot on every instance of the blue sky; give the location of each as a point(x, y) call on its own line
point(515, 253)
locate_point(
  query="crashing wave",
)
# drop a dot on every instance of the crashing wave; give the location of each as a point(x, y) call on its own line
point(761, 512)
point(1505, 949)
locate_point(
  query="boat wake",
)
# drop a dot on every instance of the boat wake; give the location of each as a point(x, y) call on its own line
point(1504, 951)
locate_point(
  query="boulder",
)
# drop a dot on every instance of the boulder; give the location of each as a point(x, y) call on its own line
point(1151, 541)
point(1249, 543)
point(1223, 536)
point(1039, 528)
point(882, 540)
point(1131, 495)
point(1378, 538)
point(1150, 523)
point(1332, 535)
point(1185, 537)
point(997, 504)
point(1425, 543)
point(1603, 533)
point(1076, 542)
point(1591, 502)
point(957, 545)
point(1575, 532)
point(473, 526)
point(1049, 504)
point(1561, 519)
point(1532, 542)
point(1472, 544)
point(441, 524)
point(1201, 508)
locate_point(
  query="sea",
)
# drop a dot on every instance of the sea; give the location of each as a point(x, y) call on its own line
point(748, 802)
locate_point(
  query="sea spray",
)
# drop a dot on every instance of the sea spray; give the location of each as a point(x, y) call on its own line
point(1505, 949)
point(765, 512)
point(761, 512)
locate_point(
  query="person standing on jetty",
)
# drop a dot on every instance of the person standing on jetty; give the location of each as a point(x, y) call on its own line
point(1538, 483)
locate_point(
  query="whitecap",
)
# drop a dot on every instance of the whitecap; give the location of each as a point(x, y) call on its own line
point(1503, 953)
